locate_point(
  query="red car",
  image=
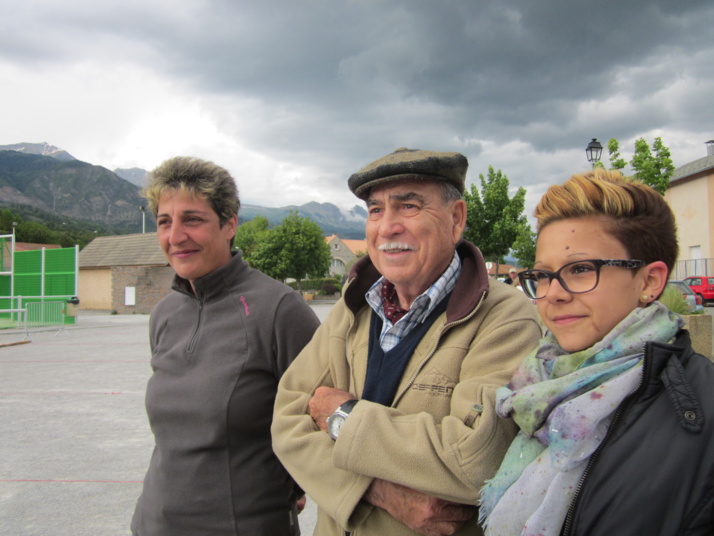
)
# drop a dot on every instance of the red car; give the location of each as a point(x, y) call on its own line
point(704, 286)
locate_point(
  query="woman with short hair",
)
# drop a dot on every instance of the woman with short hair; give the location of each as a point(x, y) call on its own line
point(615, 409)
point(219, 344)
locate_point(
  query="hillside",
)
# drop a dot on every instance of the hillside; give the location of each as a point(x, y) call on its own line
point(68, 187)
point(42, 149)
point(136, 176)
point(329, 217)
point(45, 184)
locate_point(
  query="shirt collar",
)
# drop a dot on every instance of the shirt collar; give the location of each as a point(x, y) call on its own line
point(427, 300)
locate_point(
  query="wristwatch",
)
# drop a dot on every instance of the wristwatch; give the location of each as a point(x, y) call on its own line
point(338, 418)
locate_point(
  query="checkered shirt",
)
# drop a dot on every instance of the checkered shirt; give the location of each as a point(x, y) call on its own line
point(420, 309)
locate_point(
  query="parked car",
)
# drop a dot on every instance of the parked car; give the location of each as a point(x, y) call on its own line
point(703, 286)
point(694, 301)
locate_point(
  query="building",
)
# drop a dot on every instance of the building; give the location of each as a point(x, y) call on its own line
point(344, 253)
point(691, 196)
point(127, 274)
point(29, 246)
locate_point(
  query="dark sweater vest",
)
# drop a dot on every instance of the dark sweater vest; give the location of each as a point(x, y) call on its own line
point(385, 369)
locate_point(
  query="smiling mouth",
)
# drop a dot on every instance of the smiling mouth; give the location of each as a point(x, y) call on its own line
point(565, 319)
point(183, 253)
point(395, 247)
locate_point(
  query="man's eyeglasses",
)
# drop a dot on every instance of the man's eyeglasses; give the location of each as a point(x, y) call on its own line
point(576, 277)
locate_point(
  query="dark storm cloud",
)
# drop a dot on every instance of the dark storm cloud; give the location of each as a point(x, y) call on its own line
point(337, 84)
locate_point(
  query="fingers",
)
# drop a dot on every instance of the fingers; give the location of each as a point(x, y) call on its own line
point(456, 512)
point(300, 504)
point(442, 528)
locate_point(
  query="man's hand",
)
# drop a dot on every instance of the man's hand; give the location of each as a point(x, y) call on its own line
point(325, 402)
point(420, 512)
point(300, 504)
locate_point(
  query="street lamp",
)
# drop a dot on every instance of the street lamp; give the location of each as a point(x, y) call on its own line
point(593, 151)
point(143, 219)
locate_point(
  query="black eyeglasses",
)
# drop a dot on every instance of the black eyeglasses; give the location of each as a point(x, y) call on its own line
point(576, 277)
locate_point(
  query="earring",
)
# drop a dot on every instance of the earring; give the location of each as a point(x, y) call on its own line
point(645, 298)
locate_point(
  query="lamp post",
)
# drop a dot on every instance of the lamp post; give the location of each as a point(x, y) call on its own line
point(143, 219)
point(593, 151)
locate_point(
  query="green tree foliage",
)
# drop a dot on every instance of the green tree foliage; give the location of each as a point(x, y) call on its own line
point(616, 161)
point(295, 249)
point(250, 234)
point(494, 219)
point(33, 232)
point(524, 248)
point(66, 234)
point(652, 166)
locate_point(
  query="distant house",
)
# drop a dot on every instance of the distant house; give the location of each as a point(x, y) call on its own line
point(344, 252)
point(691, 196)
point(126, 273)
point(29, 246)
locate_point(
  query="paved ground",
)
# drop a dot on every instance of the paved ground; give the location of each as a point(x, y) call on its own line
point(74, 439)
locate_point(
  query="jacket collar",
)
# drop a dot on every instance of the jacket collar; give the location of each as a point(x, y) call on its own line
point(659, 353)
point(471, 286)
point(666, 365)
point(213, 282)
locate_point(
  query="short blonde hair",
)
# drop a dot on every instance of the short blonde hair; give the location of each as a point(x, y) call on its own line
point(198, 178)
point(635, 214)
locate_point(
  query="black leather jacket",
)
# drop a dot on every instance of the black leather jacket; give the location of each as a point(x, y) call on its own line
point(654, 471)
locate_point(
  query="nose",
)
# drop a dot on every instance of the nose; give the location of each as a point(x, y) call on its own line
point(556, 292)
point(391, 223)
point(177, 234)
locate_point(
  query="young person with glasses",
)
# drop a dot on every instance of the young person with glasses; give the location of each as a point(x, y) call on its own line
point(615, 409)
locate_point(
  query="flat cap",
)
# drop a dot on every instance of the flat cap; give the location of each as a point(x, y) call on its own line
point(414, 164)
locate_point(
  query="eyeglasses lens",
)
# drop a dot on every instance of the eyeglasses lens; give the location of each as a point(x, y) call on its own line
point(575, 277)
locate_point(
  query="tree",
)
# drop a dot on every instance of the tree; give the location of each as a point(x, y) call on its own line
point(616, 162)
point(295, 248)
point(31, 231)
point(250, 234)
point(524, 247)
point(653, 167)
point(494, 220)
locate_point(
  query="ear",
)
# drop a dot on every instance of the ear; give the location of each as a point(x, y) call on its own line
point(458, 214)
point(230, 227)
point(655, 278)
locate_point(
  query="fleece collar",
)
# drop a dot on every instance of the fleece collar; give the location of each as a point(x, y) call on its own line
point(471, 286)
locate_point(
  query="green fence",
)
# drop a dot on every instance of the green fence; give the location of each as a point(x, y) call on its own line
point(47, 275)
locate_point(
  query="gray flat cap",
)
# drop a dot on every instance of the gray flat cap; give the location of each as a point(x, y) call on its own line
point(405, 164)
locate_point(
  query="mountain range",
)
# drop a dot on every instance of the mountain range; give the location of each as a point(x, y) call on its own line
point(43, 179)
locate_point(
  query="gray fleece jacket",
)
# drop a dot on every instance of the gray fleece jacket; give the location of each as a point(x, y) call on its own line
point(217, 357)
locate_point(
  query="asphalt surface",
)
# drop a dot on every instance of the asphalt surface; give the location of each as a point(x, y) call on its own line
point(74, 438)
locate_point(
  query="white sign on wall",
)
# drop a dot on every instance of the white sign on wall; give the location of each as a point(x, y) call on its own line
point(129, 295)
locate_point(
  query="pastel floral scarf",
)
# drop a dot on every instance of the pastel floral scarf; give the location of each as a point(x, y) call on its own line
point(563, 404)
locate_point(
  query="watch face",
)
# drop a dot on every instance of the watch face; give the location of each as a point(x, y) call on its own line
point(334, 423)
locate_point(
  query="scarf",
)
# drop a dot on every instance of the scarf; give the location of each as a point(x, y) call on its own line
point(563, 404)
point(391, 310)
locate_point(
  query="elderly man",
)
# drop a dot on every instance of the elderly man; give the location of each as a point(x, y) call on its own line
point(386, 418)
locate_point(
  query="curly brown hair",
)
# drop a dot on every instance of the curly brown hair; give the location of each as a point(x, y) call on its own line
point(198, 178)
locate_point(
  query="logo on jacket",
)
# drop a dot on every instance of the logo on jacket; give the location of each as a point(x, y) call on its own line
point(435, 383)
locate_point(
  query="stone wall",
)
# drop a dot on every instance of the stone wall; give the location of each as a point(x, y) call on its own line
point(700, 330)
point(341, 255)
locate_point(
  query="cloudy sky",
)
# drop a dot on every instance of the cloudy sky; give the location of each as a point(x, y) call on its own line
point(292, 96)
